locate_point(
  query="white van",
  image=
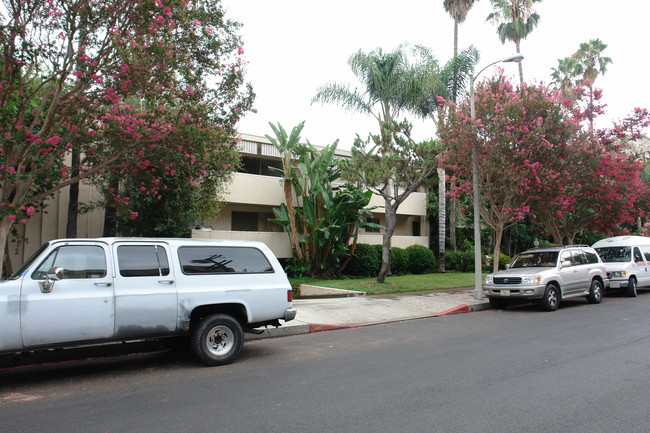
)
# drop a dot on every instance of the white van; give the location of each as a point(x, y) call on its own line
point(627, 259)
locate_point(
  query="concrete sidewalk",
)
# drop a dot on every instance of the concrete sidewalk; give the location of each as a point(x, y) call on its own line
point(328, 313)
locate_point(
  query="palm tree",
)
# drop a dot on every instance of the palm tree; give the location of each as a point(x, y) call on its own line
point(591, 62)
point(562, 77)
point(391, 83)
point(458, 10)
point(516, 20)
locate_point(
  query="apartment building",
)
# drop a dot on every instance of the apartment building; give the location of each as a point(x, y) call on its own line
point(255, 191)
point(249, 203)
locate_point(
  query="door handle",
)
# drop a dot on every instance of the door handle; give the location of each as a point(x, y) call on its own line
point(103, 284)
point(166, 281)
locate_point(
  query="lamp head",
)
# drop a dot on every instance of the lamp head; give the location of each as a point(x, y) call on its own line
point(514, 58)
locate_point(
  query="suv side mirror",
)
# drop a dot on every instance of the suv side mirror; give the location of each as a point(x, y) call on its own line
point(566, 264)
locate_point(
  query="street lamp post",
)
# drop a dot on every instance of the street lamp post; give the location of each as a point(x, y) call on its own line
point(478, 268)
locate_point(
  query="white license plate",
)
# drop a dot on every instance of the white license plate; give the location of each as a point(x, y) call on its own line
point(505, 292)
point(615, 285)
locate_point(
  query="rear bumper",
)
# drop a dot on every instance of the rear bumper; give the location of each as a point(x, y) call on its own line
point(290, 314)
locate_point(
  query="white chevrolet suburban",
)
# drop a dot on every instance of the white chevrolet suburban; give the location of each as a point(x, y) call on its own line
point(85, 291)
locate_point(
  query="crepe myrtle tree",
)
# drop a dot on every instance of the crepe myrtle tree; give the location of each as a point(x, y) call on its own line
point(601, 188)
point(537, 159)
point(100, 83)
point(393, 166)
point(521, 136)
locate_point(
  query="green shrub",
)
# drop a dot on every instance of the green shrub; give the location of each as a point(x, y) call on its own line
point(399, 261)
point(503, 260)
point(462, 261)
point(421, 259)
point(365, 261)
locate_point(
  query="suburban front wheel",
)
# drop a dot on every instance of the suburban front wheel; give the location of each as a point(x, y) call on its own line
point(595, 292)
point(217, 339)
point(631, 288)
point(551, 299)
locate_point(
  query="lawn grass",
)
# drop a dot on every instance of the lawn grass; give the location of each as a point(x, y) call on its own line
point(403, 283)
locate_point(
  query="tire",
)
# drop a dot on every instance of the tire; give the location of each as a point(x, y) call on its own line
point(631, 288)
point(498, 304)
point(595, 295)
point(551, 299)
point(217, 340)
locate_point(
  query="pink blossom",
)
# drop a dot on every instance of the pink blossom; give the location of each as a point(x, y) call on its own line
point(30, 211)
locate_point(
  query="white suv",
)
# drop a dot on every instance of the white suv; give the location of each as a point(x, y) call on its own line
point(548, 275)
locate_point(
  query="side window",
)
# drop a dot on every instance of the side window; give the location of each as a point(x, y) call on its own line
point(77, 261)
point(637, 255)
point(142, 261)
point(579, 257)
point(220, 260)
point(592, 257)
point(646, 253)
point(566, 256)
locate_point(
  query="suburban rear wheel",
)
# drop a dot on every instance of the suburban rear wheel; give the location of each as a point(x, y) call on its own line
point(551, 299)
point(631, 288)
point(499, 304)
point(217, 339)
point(595, 292)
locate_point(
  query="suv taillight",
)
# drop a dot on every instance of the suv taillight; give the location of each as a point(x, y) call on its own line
point(289, 295)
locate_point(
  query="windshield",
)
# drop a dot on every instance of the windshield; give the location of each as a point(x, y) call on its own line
point(615, 254)
point(541, 259)
point(28, 263)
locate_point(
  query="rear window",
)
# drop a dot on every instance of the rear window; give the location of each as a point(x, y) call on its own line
point(223, 260)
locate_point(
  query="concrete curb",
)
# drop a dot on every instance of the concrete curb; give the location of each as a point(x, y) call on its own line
point(308, 328)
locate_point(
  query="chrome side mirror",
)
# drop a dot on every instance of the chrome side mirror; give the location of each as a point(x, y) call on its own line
point(54, 274)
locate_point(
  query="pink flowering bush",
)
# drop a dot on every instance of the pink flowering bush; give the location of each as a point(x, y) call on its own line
point(115, 94)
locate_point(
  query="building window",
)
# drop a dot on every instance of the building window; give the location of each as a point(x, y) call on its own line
point(259, 166)
point(244, 221)
point(416, 228)
point(374, 221)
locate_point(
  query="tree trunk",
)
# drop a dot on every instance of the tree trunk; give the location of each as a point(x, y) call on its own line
point(521, 67)
point(391, 216)
point(498, 236)
point(73, 201)
point(452, 218)
point(442, 219)
point(5, 230)
point(110, 212)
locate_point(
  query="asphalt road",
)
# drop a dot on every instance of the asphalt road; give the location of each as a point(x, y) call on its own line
point(583, 368)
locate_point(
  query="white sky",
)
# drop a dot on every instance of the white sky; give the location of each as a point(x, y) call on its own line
point(295, 46)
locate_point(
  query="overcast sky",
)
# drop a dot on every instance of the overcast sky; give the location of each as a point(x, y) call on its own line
point(295, 46)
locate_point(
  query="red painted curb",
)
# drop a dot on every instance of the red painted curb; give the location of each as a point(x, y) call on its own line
point(459, 309)
point(318, 327)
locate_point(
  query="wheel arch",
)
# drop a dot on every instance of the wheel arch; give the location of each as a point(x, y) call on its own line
point(235, 310)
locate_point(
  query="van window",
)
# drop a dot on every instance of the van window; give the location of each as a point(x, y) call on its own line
point(646, 253)
point(220, 260)
point(637, 255)
point(77, 261)
point(615, 254)
point(142, 261)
